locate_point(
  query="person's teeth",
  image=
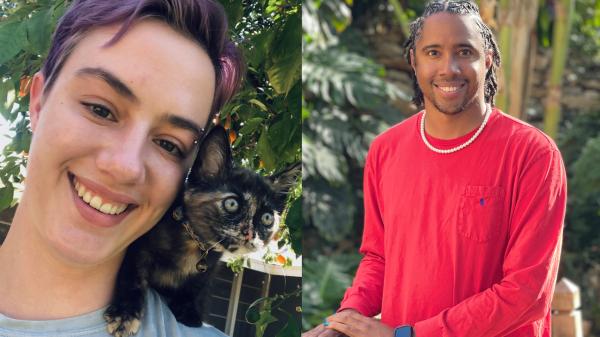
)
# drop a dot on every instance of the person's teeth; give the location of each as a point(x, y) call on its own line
point(449, 89)
point(80, 191)
point(106, 208)
point(121, 208)
point(96, 201)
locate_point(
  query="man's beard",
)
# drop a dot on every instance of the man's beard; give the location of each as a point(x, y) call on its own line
point(453, 110)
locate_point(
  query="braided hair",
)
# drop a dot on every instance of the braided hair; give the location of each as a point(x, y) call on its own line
point(458, 7)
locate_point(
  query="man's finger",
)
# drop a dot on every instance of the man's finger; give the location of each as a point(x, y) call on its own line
point(346, 329)
point(320, 331)
point(350, 318)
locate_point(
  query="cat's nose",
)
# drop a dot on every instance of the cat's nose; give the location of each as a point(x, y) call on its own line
point(248, 233)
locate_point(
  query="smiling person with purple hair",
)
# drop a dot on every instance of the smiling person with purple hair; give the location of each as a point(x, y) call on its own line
point(123, 98)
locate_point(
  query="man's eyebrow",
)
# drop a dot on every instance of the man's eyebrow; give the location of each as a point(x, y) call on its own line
point(112, 80)
point(459, 45)
point(184, 123)
point(431, 46)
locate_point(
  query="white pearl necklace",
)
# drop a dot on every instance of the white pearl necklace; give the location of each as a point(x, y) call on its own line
point(461, 146)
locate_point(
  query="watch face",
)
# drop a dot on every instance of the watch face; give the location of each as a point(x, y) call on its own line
point(403, 331)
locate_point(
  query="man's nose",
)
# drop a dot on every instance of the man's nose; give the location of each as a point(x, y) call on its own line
point(123, 158)
point(450, 65)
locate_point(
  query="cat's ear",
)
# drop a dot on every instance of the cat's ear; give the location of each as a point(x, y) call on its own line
point(283, 181)
point(214, 156)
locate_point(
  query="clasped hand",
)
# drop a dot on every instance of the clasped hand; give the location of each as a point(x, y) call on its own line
point(352, 324)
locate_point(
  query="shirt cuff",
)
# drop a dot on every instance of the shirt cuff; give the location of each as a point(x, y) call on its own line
point(429, 328)
point(356, 303)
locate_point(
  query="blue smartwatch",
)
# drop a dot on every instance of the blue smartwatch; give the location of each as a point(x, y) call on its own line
point(404, 331)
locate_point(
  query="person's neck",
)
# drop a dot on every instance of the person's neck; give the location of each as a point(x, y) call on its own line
point(39, 286)
point(449, 126)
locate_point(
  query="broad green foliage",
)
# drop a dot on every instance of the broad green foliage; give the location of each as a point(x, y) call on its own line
point(25, 31)
point(323, 284)
point(263, 119)
point(346, 103)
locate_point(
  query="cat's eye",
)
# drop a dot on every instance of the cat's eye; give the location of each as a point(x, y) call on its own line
point(231, 205)
point(267, 219)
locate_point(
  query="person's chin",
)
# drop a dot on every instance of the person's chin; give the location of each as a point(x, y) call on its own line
point(78, 247)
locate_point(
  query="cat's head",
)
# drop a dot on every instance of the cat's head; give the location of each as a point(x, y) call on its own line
point(236, 207)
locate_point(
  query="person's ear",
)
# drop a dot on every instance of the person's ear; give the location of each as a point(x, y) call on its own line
point(489, 59)
point(36, 93)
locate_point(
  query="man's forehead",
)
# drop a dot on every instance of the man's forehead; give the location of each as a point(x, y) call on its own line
point(450, 29)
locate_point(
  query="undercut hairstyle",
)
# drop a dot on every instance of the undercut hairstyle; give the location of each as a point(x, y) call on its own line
point(457, 7)
point(203, 21)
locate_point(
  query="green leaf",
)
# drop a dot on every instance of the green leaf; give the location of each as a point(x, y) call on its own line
point(251, 125)
point(12, 40)
point(6, 196)
point(285, 68)
point(265, 152)
point(234, 10)
point(259, 104)
point(5, 104)
point(291, 328)
point(259, 314)
point(39, 30)
point(259, 47)
point(294, 222)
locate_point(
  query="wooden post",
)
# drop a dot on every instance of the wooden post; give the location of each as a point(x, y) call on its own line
point(566, 316)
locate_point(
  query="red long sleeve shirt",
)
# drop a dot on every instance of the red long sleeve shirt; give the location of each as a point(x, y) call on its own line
point(462, 244)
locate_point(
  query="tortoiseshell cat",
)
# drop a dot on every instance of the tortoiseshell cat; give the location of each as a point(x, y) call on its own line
point(226, 208)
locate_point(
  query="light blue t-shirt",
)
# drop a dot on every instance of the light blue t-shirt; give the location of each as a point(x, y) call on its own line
point(158, 321)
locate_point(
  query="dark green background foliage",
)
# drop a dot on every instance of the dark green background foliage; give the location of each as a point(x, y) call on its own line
point(264, 118)
point(345, 93)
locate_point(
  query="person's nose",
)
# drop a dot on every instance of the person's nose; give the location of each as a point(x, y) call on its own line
point(450, 66)
point(123, 157)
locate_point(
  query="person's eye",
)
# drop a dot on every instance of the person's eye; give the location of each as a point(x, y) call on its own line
point(99, 110)
point(170, 147)
point(433, 53)
point(465, 52)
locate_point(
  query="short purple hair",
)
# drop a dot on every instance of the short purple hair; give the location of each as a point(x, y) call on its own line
point(204, 21)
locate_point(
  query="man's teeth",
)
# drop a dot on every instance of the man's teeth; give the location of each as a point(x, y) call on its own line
point(96, 201)
point(449, 89)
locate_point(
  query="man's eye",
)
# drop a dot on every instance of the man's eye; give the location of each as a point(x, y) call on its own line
point(465, 52)
point(170, 147)
point(99, 110)
point(433, 53)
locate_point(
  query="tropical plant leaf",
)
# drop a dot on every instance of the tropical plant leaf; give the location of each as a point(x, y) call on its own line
point(12, 40)
point(284, 70)
point(39, 30)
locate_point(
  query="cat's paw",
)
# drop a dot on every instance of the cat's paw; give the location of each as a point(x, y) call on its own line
point(122, 326)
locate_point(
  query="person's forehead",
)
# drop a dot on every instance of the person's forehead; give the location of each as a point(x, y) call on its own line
point(449, 29)
point(146, 58)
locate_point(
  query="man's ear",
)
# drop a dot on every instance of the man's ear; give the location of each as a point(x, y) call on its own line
point(489, 59)
point(36, 93)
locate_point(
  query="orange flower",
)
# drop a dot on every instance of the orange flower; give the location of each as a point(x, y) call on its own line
point(24, 84)
point(232, 136)
point(281, 259)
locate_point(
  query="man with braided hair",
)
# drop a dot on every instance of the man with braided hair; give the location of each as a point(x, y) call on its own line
point(464, 205)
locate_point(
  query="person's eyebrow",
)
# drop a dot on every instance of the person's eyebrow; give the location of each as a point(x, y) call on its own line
point(431, 46)
point(111, 79)
point(184, 123)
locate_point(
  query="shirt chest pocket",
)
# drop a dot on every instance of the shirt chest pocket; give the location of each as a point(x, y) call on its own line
point(480, 214)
